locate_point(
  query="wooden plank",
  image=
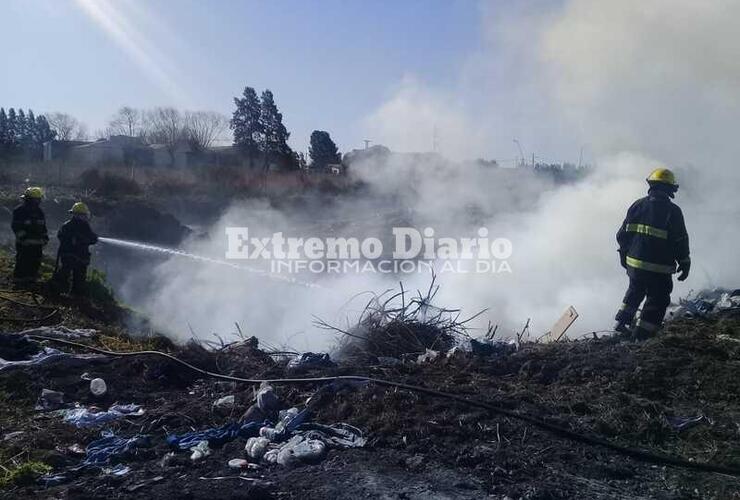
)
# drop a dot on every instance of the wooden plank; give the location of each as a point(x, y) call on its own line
point(561, 325)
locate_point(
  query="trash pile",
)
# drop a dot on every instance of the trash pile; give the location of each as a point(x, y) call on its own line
point(148, 426)
point(708, 303)
point(17, 351)
point(274, 435)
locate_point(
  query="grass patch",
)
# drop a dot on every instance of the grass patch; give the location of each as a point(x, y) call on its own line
point(128, 344)
point(23, 474)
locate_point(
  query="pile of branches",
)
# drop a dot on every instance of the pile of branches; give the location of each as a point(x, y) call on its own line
point(394, 325)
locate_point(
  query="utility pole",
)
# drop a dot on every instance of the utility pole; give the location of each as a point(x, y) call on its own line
point(367, 143)
point(521, 153)
point(532, 161)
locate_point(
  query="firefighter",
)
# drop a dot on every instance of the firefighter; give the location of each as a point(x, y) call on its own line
point(29, 226)
point(652, 242)
point(75, 236)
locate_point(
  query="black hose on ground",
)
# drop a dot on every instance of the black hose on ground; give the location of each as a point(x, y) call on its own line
point(555, 429)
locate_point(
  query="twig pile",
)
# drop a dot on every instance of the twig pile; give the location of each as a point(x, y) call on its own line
point(393, 324)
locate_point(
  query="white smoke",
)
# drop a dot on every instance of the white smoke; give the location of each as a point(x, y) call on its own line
point(638, 83)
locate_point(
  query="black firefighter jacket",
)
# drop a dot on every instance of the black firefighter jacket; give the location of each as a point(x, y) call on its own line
point(75, 236)
point(29, 225)
point(653, 235)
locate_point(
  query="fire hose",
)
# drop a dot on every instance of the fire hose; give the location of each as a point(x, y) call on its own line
point(645, 456)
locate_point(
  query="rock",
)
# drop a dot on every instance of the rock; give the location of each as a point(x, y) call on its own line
point(50, 400)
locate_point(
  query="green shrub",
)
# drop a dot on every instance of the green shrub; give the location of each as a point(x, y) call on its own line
point(98, 289)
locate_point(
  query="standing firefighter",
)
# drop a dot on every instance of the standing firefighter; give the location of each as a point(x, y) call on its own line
point(75, 236)
point(29, 226)
point(652, 240)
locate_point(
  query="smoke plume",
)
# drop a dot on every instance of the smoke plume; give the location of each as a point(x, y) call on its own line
point(633, 84)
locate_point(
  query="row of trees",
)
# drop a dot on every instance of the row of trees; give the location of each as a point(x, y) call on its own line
point(23, 133)
point(259, 130)
point(256, 122)
point(169, 126)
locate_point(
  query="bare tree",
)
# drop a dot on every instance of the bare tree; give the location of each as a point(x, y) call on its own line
point(204, 128)
point(165, 126)
point(127, 121)
point(67, 127)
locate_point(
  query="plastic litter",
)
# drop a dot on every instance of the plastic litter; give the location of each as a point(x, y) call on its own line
point(238, 463)
point(101, 452)
point(98, 387)
point(708, 303)
point(339, 435)
point(266, 399)
point(428, 356)
point(85, 417)
point(256, 447)
point(76, 449)
point(289, 420)
point(119, 470)
point(683, 423)
point(310, 361)
point(49, 400)
point(48, 355)
point(200, 451)
point(266, 405)
point(301, 450)
point(215, 437)
point(61, 332)
point(224, 402)
point(457, 353)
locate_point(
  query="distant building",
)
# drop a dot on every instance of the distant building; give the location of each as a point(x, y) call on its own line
point(126, 150)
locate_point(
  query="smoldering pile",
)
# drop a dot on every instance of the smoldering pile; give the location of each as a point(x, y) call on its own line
point(400, 325)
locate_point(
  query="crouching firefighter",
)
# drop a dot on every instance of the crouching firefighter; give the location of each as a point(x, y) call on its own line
point(29, 226)
point(652, 240)
point(75, 236)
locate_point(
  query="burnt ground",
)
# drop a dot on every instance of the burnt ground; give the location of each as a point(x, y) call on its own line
point(418, 446)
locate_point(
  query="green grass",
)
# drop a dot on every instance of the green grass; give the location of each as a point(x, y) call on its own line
point(22, 474)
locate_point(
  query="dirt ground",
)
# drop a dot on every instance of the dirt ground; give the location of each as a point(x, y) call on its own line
point(418, 446)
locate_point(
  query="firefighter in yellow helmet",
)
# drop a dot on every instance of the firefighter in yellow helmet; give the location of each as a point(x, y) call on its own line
point(653, 244)
point(75, 236)
point(29, 227)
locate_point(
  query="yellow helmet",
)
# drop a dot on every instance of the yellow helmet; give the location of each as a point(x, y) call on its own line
point(33, 193)
point(80, 208)
point(663, 175)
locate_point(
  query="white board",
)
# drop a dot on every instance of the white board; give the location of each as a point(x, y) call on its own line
point(561, 325)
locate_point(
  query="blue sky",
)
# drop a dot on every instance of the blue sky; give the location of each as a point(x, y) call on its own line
point(330, 63)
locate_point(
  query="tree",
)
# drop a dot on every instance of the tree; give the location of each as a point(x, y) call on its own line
point(323, 151)
point(203, 128)
point(127, 121)
point(3, 128)
point(67, 127)
point(274, 134)
point(44, 132)
point(11, 133)
point(246, 124)
point(23, 133)
point(165, 126)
